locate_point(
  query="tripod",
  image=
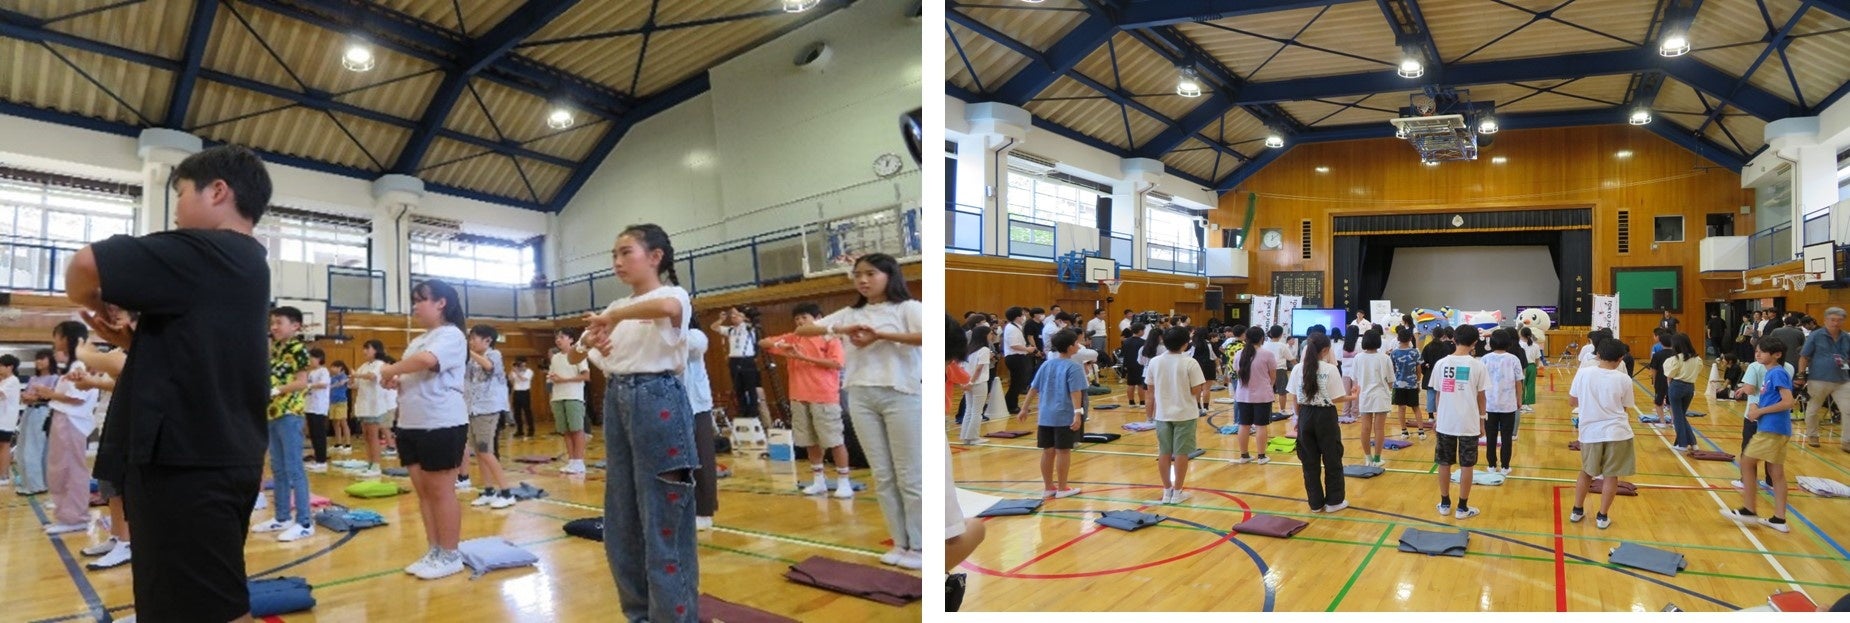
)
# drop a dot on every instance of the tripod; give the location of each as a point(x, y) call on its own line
point(773, 401)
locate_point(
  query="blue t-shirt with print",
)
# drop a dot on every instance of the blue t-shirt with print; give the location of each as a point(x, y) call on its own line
point(1056, 382)
point(1778, 422)
point(337, 389)
point(1406, 368)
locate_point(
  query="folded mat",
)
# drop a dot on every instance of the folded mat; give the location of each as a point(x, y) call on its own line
point(1573, 445)
point(1097, 391)
point(373, 489)
point(1099, 437)
point(1139, 426)
point(1280, 417)
point(1012, 507)
point(1482, 477)
point(349, 464)
point(401, 472)
point(534, 458)
point(1709, 455)
point(1130, 521)
point(888, 587)
point(597, 464)
point(1270, 525)
point(1106, 407)
point(1823, 487)
point(587, 528)
point(716, 609)
point(1197, 453)
point(316, 501)
point(1281, 445)
point(1624, 487)
point(489, 553)
point(524, 491)
point(1362, 471)
point(1229, 429)
point(1434, 543)
point(1396, 444)
point(1648, 558)
point(280, 596)
point(342, 519)
point(1647, 419)
point(1008, 434)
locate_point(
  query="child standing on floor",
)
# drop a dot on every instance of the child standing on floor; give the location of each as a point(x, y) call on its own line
point(522, 400)
point(1532, 351)
point(1175, 381)
point(1772, 417)
point(317, 408)
point(369, 404)
point(433, 421)
point(815, 398)
point(568, 397)
point(1317, 387)
point(289, 364)
point(338, 409)
point(700, 401)
point(1061, 386)
point(32, 424)
point(1128, 353)
point(1602, 393)
point(1461, 382)
point(1683, 368)
point(485, 383)
point(1283, 354)
point(72, 418)
point(1751, 381)
point(1374, 378)
point(976, 366)
point(649, 495)
point(10, 410)
point(1252, 400)
point(1502, 399)
point(1407, 381)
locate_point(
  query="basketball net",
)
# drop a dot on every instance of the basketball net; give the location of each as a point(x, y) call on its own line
point(1111, 284)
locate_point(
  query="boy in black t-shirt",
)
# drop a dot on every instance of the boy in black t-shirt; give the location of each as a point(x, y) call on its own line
point(186, 432)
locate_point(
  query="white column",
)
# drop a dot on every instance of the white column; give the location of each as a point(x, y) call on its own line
point(160, 150)
point(395, 197)
point(1140, 175)
point(982, 160)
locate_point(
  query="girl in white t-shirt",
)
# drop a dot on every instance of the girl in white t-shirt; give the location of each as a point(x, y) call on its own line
point(72, 418)
point(650, 490)
point(884, 330)
point(369, 403)
point(976, 363)
point(1533, 349)
point(10, 408)
point(433, 421)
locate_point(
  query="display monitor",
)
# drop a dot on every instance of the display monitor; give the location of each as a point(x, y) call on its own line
point(1303, 318)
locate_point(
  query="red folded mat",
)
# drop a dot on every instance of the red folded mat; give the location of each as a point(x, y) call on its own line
point(716, 609)
point(1008, 434)
point(888, 587)
point(1270, 525)
point(1625, 488)
point(1709, 455)
point(1573, 445)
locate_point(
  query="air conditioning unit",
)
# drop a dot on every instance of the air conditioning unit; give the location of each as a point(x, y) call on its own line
point(1031, 163)
point(1160, 198)
point(431, 227)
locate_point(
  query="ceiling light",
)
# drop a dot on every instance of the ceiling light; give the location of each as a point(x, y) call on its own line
point(1487, 126)
point(1498, 159)
point(560, 119)
point(1188, 84)
point(799, 6)
point(1624, 153)
point(1274, 141)
point(1323, 169)
point(1400, 132)
point(1674, 45)
point(358, 57)
point(1411, 68)
point(1641, 117)
point(1431, 163)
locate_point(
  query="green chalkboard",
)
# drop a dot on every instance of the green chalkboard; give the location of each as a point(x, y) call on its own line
point(1635, 286)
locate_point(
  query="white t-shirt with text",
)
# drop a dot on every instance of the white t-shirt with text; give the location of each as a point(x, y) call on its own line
point(1459, 379)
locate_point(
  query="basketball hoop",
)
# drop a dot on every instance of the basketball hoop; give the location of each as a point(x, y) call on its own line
point(1111, 284)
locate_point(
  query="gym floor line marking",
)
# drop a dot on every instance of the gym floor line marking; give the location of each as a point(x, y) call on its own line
point(1745, 531)
point(847, 549)
point(84, 588)
point(1358, 568)
point(1300, 515)
point(311, 556)
point(1819, 532)
point(1561, 552)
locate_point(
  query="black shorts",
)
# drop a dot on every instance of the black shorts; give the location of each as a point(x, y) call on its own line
point(1133, 375)
point(1056, 437)
point(1407, 397)
point(1460, 451)
point(744, 372)
point(7, 436)
point(1208, 370)
point(190, 526)
point(1252, 413)
point(435, 449)
point(1280, 379)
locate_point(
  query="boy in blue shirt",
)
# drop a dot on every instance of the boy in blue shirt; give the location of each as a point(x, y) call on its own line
point(1772, 416)
point(1061, 386)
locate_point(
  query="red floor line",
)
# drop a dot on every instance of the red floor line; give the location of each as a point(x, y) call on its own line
point(1560, 557)
point(1056, 549)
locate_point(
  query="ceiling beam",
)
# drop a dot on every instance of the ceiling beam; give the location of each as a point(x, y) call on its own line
point(673, 96)
point(1775, 40)
point(1410, 32)
point(1154, 13)
point(484, 52)
point(1059, 60)
point(1839, 8)
point(197, 34)
point(1085, 139)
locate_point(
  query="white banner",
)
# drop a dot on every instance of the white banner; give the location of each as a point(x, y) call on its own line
point(1382, 313)
point(1606, 313)
point(1263, 308)
point(1287, 303)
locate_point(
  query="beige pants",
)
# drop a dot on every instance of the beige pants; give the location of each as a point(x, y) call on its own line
point(66, 474)
point(1814, 409)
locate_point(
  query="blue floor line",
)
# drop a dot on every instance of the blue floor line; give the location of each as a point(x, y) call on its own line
point(91, 600)
point(1789, 508)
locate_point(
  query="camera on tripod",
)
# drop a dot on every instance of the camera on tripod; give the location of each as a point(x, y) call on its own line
point(1148, 317)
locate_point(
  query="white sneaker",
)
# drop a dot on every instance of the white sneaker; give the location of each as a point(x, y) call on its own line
point(100, 548)
point(464, 485)
point(126, 619)
point(66, 528)
point(891, 557)
point(1177, 497)
point(318, 468)
point(262, 502)
point(1467, 513)
point(6, 482)
point(389, 452)
point(1263, 459)
point(1070, 492)
point(703, 523)
point(441, 566)
point(502, 501)
point(417, 567)
point(488, 495)
point(572, 468)
point(115, 558)
point(1241, 460)
point(270, 526)
point(844, 490)
point(817, 488)
point(1339, 506)
point(296, 533)
point(1777, 527)
point(1168, 494)
point(370, 472)
point(911, 559)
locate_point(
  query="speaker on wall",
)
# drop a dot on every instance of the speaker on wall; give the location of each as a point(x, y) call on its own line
point(1227, 237)
point(1214, 302)
point(1663, 298)
point(1104, 215)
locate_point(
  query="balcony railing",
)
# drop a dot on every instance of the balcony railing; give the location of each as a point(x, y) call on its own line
point(1770, 246)
point(34, 265)
point(1177, 260)
point(963, 228)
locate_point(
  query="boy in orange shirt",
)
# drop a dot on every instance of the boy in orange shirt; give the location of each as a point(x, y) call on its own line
point(815, 398)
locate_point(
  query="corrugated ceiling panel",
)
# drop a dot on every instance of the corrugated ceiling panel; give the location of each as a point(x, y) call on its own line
point(36, 77)
point(143, 88)
point(405, 98)
point(1356, 28)
point(382, 141)
point(546, 178)
point(216, 104)
point(1143, 127)
point(156, 27)
point(1459, 26)
point(1678, 98)
point(1626, 19)
point(993, 62)
point(677, 55)
point(1547, 38)
point(50, 9)
point(295, 131)
point(1142, 72)
point(1236, 127)
point(1073, 105)
point(311, 53)
point(1196, 158)
point(444, 151)
point(596, 17)
point(1747, 130)
point(1243, 52)
point(610, 62)
point(1822, 63)
point(1298, 62)
point(493, 174)
point(1039, 26)
point(572, 143)
point(519, 116)
point(478, 15)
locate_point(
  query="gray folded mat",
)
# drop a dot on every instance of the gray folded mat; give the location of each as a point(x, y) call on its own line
point(396, 471)
point(1362, 471)
point(1434, 543)
point(1012, 507)
point(1270, 525)
point(525, 491)
point(1648, 558)
point(1130, 521)
point(1197, 453)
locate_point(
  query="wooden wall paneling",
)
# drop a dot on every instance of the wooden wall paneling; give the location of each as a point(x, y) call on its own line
point(993, 284)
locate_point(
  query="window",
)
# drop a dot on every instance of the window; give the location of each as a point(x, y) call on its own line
point(473, 258)
point(1169, 237)
point(45, 219)
point(1773, 200)
point(300, 236)
point(1668, 229)
point(1843, 174)
point(1054, 198)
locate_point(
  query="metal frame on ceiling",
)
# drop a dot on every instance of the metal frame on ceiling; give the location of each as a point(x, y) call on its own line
point(490, 57)
point(1154, 22)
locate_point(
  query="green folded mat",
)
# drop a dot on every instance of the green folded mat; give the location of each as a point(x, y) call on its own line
point(1281, 445)
point(374, 489)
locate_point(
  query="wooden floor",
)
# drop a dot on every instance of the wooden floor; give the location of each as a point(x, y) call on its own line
point(763, 526)
point(1523, 556)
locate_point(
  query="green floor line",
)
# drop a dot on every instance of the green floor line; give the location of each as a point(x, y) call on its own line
point(1358, 569)
point(741, 552)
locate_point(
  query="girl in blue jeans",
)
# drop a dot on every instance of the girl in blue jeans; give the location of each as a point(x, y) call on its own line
point(883, 361)
point(648, 434)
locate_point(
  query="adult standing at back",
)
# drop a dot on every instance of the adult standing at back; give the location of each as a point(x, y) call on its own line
point(1095, 330)
point(1790, 333)
point(188, 443)
point(1824, 370)
point(1017, 353)
point(1718, 335)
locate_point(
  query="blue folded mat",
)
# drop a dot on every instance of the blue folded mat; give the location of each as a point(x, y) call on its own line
point(1012, 507)
point(1362, 471)
point(1130, 521)
point(1648, 558)
point(1434, 543)
point(280, 596)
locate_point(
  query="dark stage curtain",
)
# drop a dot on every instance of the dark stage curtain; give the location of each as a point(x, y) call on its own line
point(1573, 255)
point(1363, 263)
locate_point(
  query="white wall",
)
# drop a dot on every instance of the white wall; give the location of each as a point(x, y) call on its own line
point(768, 147)
point(1498, 278)
point(1080, 159)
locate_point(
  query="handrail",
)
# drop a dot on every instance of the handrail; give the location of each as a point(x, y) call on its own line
point(1763, 248)
point(957, 216)
point(53, 266)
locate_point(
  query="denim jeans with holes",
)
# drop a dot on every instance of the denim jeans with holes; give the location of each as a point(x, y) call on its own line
point(649, 497)
point(287, 472)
